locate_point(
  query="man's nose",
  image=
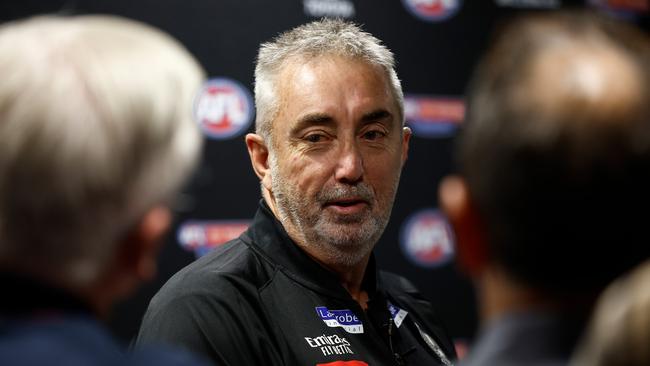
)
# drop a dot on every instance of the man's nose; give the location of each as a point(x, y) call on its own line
point(349, 167)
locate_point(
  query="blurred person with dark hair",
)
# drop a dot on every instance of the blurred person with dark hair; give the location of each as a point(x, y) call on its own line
point(96, 137)
point(619, 331)
point(554, 167)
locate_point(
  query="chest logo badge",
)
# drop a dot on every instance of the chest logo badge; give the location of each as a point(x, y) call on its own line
point(397, 314)
point(344, 318)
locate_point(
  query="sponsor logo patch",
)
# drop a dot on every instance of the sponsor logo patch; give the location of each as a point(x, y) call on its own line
point(330, 345)
point(432, 10)
point(344, 318)
point(433, 116)
point(223, 108)
point(343, 363)
point(397, 314)
point(427, 239)
point(201, 237)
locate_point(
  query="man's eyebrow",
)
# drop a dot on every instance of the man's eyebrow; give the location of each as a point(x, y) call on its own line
point(324, 119)
point(312, 119)
point(380, 114)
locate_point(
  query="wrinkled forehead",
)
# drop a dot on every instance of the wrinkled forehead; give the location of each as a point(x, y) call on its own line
point(293, 70)
point(292, 65)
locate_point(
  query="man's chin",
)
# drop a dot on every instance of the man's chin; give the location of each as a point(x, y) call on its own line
point(357, 220)
point(347, 235)
point(346, 259)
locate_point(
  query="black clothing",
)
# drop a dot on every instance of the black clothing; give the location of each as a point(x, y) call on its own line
point(26, 296)
point(42, 325)
point(530, 338)
point(260, 300)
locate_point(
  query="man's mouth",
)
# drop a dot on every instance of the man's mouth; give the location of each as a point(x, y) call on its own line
point(345, 202)
point(347, 205)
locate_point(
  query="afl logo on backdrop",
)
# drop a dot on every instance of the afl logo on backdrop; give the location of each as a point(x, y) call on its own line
point(624, 9)
point(201, 237)
point(433, 116)
point(426, 239)
point(433, 10)
point(223, 108)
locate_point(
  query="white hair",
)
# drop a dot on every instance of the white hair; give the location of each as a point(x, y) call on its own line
point(96, 127)
point(318, 38)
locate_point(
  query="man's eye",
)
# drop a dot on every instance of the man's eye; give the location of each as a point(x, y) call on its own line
point(373, 135)
point(314, 137)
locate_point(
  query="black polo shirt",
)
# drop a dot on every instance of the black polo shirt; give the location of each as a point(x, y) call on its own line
point(260, 300)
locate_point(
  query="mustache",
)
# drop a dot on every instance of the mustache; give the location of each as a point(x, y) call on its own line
point(360, 191)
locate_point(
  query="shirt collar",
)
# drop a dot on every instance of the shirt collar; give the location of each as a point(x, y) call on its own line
point(271, 239)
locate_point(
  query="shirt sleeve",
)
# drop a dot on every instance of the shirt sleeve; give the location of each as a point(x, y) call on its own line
point(221, 324)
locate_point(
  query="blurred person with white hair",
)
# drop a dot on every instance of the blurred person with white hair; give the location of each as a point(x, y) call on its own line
point(619, 330)
point(96, 138)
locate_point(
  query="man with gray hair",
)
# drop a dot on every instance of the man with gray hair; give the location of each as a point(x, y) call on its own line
point(96, 137)
point(300, 286)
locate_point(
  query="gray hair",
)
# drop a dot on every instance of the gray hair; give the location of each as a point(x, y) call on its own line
point(318, 38)
point(96, 127)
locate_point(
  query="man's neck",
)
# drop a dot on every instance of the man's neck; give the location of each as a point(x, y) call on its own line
point(350, 276)
point(500, 294)
point(351, 279)
point(27, 293)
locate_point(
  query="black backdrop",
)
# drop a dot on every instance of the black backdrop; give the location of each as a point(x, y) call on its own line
point(436, 43)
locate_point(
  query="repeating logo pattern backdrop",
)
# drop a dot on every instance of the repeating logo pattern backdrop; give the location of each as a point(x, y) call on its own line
point(436, 44)
point(223, 108)
point(426, 239)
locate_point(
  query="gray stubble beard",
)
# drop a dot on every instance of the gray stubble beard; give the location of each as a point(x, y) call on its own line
point(344, 249)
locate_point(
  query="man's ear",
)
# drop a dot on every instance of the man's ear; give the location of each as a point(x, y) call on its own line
point(140, 250)
point(135, 260)
point(471, 242)
point(406, 137)
point(259, 154)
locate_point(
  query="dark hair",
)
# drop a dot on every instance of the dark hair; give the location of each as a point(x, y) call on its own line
point(562, 181)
